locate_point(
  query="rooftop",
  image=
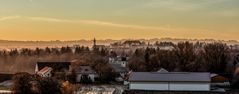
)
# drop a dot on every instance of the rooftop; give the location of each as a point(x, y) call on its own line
point(85, 70)
point(54, 65)
point(118, 68)
point(169, 77)
point(45, 69)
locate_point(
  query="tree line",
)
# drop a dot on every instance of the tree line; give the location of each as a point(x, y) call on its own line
point(184, 57)
point(44, 51)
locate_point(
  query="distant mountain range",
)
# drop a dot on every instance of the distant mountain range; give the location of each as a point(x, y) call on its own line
point(10, 44)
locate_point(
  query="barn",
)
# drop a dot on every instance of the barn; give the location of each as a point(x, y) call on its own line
point(171, 81)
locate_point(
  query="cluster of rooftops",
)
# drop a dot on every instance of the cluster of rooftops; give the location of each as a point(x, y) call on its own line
point(201, 81)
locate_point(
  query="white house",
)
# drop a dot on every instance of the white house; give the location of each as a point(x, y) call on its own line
point(171, 81)
point(118, 60)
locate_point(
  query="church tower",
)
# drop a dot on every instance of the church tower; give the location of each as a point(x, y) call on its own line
point(94, 43)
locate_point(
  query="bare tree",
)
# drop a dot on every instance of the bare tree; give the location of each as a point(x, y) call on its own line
point(185, 55)
point(216, 57)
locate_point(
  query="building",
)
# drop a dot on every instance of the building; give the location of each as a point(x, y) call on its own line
point(56, 66)
point(45, 72)
point(99, 47)
point(52, 69)
point(120, 71)
point(172, 81)
point(85, 72)
point(218, 81)
point(127, 46)
point(216, 78)
point(164, 45)
point(133, 43)
point(118, 60)
point(118, 64)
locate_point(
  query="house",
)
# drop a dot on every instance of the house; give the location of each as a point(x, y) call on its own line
point(52, 69)
point(118, 64)
point(171, 81)
point(164, 45)
point(118, 68)
point(85, 72)
point(120, 71)
point(127, 46)
point(96, 46)
point(133, 43)
point(216, 78)
point(118, 60)
point(56, 66)
point(45, 72)
point(218, 81)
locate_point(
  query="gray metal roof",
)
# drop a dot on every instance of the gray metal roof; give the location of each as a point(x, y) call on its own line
point(169, 77)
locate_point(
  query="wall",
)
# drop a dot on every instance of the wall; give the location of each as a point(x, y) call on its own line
point(193, 86)
point(78, 77)
point(149, 85)
point(174, 86)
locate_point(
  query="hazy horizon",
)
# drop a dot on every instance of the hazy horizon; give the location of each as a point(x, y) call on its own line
point(122, 39)
point(46, 20)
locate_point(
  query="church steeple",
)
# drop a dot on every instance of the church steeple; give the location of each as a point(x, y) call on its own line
point(94, 42)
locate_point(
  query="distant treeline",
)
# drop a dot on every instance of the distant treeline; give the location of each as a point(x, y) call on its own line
point(185, 57)
point(24, 60)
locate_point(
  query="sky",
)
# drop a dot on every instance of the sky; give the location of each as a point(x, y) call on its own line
point(118, 19)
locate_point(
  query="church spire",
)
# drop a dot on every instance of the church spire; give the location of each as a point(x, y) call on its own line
point(94, 43)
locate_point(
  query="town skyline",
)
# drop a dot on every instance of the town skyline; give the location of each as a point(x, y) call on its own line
point(115, 19)
point(119, 46)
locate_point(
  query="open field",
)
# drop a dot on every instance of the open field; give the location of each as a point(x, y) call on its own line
point(100, 89)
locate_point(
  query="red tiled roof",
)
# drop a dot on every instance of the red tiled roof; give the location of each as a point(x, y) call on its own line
point(45, 69)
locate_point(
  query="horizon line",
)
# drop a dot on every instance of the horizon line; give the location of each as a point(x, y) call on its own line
point(198, 39)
